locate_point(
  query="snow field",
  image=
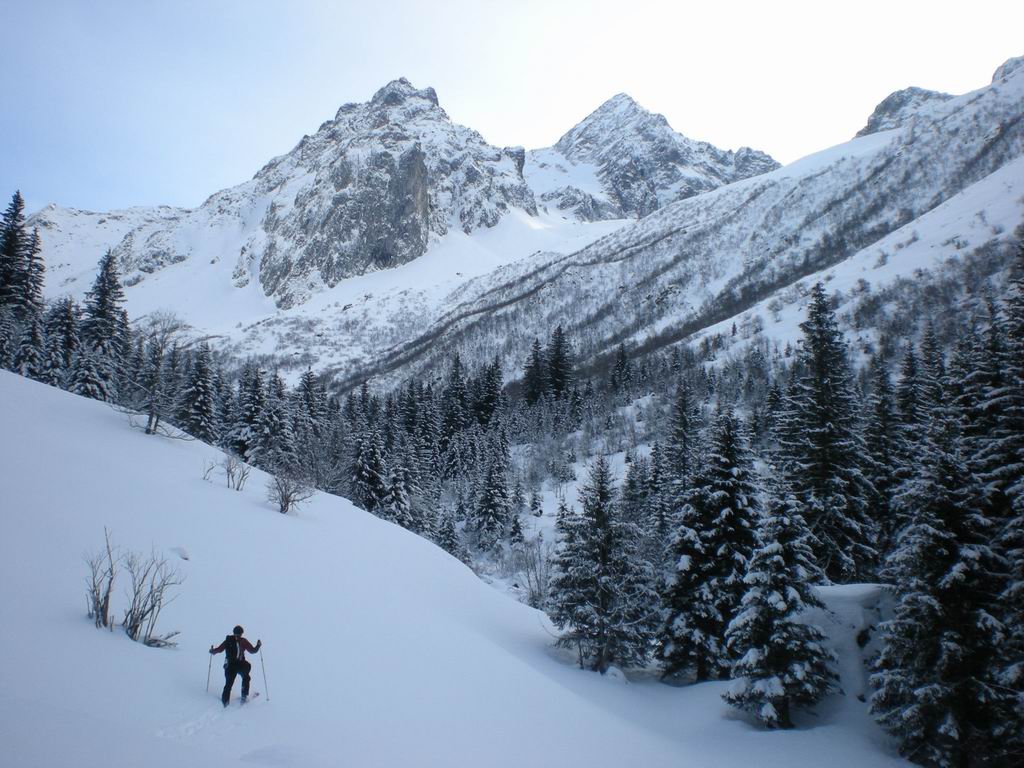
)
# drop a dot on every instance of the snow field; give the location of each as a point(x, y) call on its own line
point(380, 649)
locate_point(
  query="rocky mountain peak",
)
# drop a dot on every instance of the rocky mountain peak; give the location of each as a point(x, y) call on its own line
point(898, 107)
point(1007, 68)
point(399, 91)
point(642, 164)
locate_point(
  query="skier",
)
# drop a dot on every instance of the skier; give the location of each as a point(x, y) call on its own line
point(235, 647)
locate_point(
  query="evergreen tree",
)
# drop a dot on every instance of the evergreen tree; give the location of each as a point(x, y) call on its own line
point(274, 447)
point(198, 411)
point(14, 245)
point(711, 549)
point(493, 509)
point(680, 447)
point(489, 395)
point(536, 509)
point(559, 359)
point(248, 412)
point(30, 357)
point(397, 506)
point(62, 337)
point(825, 451)
point(781, 661)
point(103, 326)
point(515, 532)
point(455, 410)
point(887, 450)
point(933, 683)
point(32, 302)
point(86, 379)
point(622, 372)
point(8, 339)
point(601, 590)
point(370, 473)
point(535, 381)
point(448, 537)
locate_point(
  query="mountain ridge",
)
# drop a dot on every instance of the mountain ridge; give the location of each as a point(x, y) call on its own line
point(373, 188)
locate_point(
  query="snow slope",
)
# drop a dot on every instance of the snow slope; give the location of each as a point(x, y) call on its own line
point(380, 649)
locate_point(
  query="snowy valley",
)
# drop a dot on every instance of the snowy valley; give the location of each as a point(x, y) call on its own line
point(746, 440)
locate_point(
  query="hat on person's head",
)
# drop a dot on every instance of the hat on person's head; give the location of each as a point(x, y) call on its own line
point(238, 630)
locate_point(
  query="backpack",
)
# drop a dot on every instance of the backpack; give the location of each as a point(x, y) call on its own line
point(230, 650)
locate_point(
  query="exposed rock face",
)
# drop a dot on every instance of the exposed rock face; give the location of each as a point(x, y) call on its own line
point(640, 163)
point(898, 107)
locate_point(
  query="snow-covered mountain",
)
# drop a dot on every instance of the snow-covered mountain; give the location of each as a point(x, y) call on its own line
point(712, 257)
point(367, 191)
point(625, 162)
point(378, 186)
point(504, 271)
point(379, 649)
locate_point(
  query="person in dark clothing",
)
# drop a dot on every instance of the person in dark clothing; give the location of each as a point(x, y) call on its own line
point(235, 647)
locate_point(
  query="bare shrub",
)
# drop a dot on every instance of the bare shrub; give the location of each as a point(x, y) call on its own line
point(208, 467)
point(236, 471)
point(102, 572)
point(287, 492)
point(151, 579)
point(533, 560)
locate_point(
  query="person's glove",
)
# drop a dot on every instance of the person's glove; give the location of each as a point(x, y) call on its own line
point(259, 644)
point(211, 650)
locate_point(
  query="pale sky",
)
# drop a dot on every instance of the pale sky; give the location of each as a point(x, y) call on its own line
point(110, 104)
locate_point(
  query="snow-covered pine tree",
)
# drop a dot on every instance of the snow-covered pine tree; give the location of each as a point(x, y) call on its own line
point(197, 412)
point(455, 403)
point(274, 448)
point(535, 379)
point(680, 445)
point(86, 379)
point(781, 661)
point(515, 532)
point(8, 338)
point(488, 396)
point(559, 360)
point(32, 301)
point(248, 411)
point(370, 472)
point(493, 509)
point(621, 379)
point(397, 506)
point(13, 256)
point(635, 487)
point(30, 357)
point(887, 450)
point(909, 399)
point(62, 337)
point(933, 368)
point(933, 678)
point(103, 327)
point(448, 537)
point(601, 591)
point(712, 549)
point(656, 524)
point(824, 449)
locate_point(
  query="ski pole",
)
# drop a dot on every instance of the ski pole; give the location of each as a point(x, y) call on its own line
point(264, 668)
point(209, 668)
